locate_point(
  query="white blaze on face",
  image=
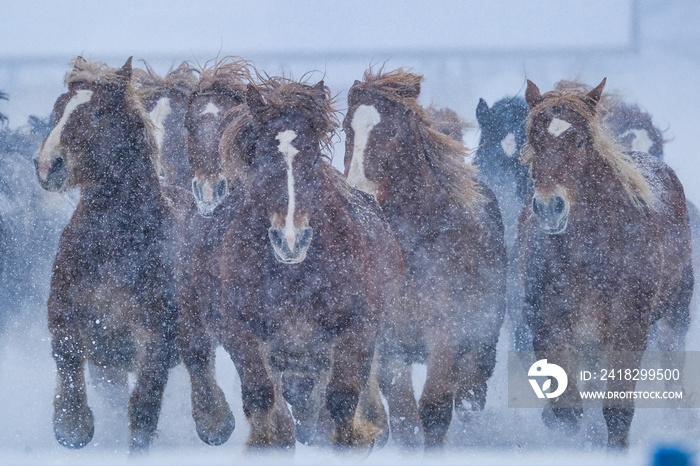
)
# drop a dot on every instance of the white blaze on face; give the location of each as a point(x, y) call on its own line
point(285, 146)
point(641, 142)
point(366, 117)
point(508, 145)
point(210, 108)
point(557, 127)
point(158, 116)
point(50, 146)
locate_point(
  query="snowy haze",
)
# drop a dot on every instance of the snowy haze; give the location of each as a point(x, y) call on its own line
point(648, 49)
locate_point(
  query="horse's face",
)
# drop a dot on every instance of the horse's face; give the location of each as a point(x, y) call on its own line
point(87, 118)
point(561, 144)
point(378, 133)
point(502, 132)
point(204, 123)
point(166, 110)
point(560, 141)
point(284, 164)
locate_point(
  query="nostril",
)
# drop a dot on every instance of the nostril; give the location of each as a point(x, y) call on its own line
point(221, 188)
point(537, 207)
point(558, 205)
point(196, 189)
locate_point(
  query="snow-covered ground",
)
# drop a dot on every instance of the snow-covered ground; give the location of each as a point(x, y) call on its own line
point(662, 76)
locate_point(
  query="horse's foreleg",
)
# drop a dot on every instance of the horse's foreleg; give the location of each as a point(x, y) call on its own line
point(371, 407)
point(352, 359)
point(396, 385)
point(618, 414)
point(257, 390)
point(212, 415)
point(474, 368)
point(73, 422)
point(145, 401)
point(435, 404)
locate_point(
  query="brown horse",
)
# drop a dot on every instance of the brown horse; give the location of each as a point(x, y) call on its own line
point(307, 268)
point(447, 122)
point(112, 298)
point(604, 245)
point(165, 99)
point(221, 87)
point(449, 229)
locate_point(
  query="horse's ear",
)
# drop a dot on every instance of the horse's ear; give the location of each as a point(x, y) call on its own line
point(79, 63)
point(357, 83)
point(532, 94)
point(482, 112)
point(597, 92)
point(320, 87)
point(125, 71)
point(254, 99)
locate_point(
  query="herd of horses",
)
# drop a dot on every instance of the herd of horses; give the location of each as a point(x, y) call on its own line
point(210, 214)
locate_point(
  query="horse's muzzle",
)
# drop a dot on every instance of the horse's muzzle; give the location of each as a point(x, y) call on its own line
point(208, 196)
point(52, 177)
point(551, 212)
point(290, 250)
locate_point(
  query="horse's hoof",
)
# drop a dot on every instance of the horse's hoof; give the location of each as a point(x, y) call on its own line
point(381, 438)
point(305, 432)
point(73, 430)
point(140, 442)
point(223, 434)
point(567, 420)
point(466, 410)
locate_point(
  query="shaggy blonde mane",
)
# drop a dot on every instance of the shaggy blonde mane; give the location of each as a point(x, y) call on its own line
point(575, 97)
point(447, 122)
point(181, 79)
point(444, 155)
point(229, 75)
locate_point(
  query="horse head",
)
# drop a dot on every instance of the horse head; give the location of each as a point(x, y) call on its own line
point(98, 116)
point(561, 145)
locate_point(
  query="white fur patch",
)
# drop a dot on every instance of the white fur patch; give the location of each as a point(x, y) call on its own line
point(285, 146)
point(47, 150)
point(641, 142)
point(211, 108)
point(509, 145)
point(158, 116)
point(557, 127)
point(366, 117)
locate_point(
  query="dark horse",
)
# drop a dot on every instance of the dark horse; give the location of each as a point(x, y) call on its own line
point(498, 159)
point(112, 298)
point(449, 229)
point(165, 99)
point(604, 246)
point(307, 268)
point(221, 87)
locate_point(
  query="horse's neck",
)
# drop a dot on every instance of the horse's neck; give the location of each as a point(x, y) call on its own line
point(135, 185)
point(413, 185)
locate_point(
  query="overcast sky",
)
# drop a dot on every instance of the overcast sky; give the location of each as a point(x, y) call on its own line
point(43, 28)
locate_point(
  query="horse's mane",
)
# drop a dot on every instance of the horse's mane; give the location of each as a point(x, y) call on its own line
point(228, 75)
point(446, 121)
point(98, 73)
point(181, 79)
point(632, 113)
point(575, 96)
point(281, 95)
point(444, 155)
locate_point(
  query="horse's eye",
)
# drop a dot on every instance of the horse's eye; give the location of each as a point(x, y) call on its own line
point(307, 148)
point(580, 143)
point(99, 113)
point(393, 133)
